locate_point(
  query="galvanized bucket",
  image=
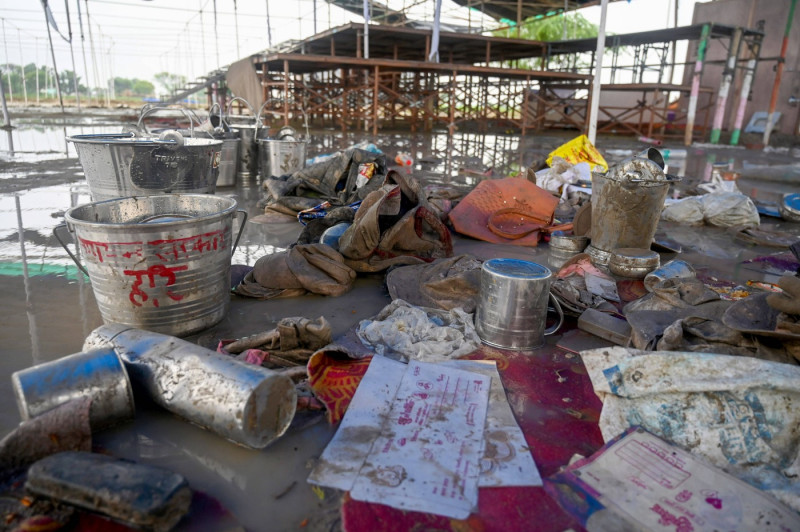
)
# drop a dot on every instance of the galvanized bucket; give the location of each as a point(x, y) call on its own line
point(247, 164)
point(119, 165)
point(280, 157)
point(98, 374)
point(229, 160)
point(139, 163)
point(512, 306)
point(160, 263)
point(285, 153)
point(627, 204)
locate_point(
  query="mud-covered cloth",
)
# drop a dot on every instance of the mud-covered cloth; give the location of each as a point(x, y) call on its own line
point(314, 268)
point(291, 343)
point(445, 284)
point(346, 177)
point(405, 332)
point(739, 413)
point(394, 226)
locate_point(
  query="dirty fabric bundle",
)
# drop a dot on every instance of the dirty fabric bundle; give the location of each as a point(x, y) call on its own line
point(394, 226)
point(314, 268)
point(291, 343)
point(346, 177)
point(334, 377)
point(404, 332)
point(445, 283)
point(737, 412)
point(571, 290)
point(505, 211)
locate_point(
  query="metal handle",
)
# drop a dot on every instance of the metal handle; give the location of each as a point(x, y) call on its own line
point(250, 107)
point(63, 245)
point(558, 325)
point(150, 109)
point(280, 100)
point(223, 124)
point(241, 228)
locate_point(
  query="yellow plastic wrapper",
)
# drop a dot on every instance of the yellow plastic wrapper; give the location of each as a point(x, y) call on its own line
point(580, 150)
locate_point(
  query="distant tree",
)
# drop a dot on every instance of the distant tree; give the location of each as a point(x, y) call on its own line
point(170, 81)
point(143, 88)
point(552, 29)
point(121, 85)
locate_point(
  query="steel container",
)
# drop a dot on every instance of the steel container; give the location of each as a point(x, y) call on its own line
point(674, 269)
point(512, 305)
point(245, 403)
point(246, 129)
point(229, 161)
point(281, 157)
point(633, 263)
point(96, 373)
point(125, 164)
point(789, 207)
point(626, 205)
point(160, 263)
point(569, 243)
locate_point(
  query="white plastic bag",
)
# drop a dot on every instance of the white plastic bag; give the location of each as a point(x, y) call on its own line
point(739, 413)
point(686, 211)
point(729, 209)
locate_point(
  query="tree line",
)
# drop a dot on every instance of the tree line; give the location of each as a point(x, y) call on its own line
point(11, 76)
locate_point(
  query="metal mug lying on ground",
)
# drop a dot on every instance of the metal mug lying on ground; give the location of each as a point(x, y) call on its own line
point(97, 373)
point(512, 306)
point(247, 404)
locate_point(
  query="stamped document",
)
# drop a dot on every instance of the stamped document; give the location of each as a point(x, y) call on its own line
point(429, 460)
point(641, 482)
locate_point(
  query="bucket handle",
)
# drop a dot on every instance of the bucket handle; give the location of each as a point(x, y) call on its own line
point(280, 100)
point(63, 245)
point(241, 228)
point(560, 311)
point(222, 122)
point(150, 109)
point(250, 107)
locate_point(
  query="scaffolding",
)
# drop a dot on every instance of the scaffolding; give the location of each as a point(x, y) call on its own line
point(487, 82)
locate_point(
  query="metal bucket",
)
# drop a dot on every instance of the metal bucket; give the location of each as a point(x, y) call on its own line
point(512, 306)
point(98, 374)
point(160, 263)
point(123, 164)
point(229, 162)
point(281, 157)
point(247, 164)
point(626, 205)
point(245, 403)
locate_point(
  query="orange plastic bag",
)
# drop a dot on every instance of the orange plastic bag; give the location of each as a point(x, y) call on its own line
point(505, 211)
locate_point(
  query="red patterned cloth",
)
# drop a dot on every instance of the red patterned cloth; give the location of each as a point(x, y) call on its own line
point(555, 405)
point(334, 378)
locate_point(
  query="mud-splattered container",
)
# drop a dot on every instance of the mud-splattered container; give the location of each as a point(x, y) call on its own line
point(627, 204)
point(96, 373)
point(127, 164)
point(160, 263)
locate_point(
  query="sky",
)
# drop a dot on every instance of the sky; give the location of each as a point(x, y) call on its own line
point(139, 38)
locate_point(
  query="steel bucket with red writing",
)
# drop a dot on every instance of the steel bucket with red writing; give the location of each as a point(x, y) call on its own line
point(160, 263)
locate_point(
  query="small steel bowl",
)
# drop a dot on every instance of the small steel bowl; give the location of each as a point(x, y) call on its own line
point(790, 207)
point(574, 244)
point(633, 263)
